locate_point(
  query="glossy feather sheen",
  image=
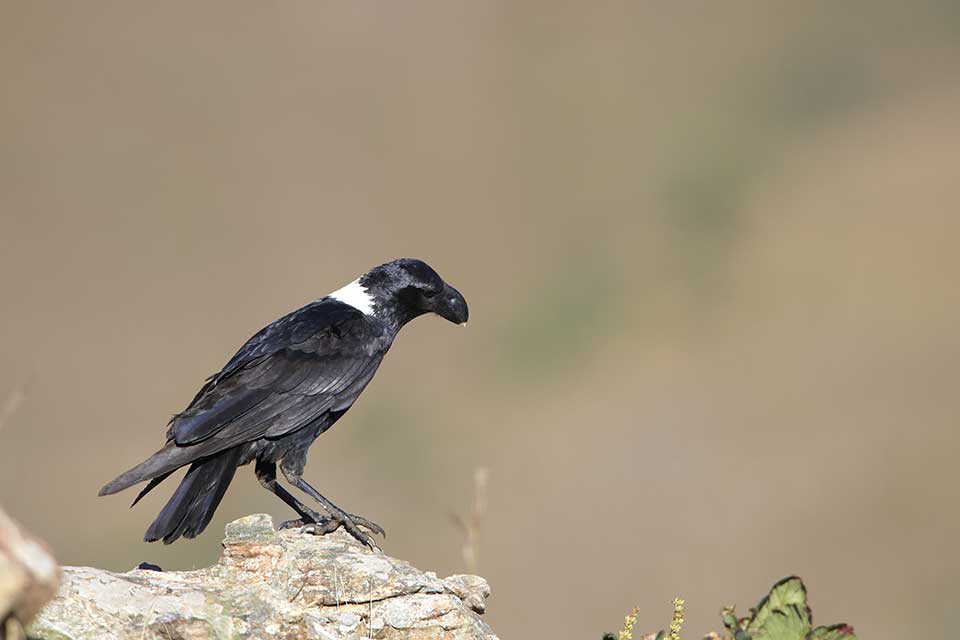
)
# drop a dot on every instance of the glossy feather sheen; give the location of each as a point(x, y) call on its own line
point(307, 363)
point(285, 386)
point(298, 370)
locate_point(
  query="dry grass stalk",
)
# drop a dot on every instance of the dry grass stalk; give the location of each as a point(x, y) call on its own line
point(470, 525)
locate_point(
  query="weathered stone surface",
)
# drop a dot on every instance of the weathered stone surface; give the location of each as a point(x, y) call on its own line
point(28, 577)
point(473, 590)
point(269, 584)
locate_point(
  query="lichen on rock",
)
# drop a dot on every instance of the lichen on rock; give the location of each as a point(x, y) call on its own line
point(270, 584)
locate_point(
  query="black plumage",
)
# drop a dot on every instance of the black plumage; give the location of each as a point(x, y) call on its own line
point(287, 385)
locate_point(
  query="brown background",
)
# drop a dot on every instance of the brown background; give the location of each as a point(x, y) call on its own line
point(710, 252)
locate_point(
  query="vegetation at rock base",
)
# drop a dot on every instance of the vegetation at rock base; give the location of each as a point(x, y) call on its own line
point(783, 614)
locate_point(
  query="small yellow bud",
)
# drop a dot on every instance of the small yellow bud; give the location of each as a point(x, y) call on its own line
point(627, 632)
point(677, 619)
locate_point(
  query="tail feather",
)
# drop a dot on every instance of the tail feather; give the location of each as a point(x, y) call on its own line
point(164, 461)
point(190, 508)
point(150, 487)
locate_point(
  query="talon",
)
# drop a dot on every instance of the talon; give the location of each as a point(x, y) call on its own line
point(350, 523)
point(353, 523)
point(309, 517)
point(321, 527)
point(372, 526)
point(291, 524)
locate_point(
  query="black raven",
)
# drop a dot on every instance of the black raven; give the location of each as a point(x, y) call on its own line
point(288, 384)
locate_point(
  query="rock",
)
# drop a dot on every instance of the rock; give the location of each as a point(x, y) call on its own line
point(473, 590)
point(270, 584)
point(28, 577)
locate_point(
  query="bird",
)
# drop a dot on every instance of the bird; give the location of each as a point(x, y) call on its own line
point(282, 389)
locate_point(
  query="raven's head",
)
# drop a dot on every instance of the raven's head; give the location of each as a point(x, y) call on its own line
point(401, 290)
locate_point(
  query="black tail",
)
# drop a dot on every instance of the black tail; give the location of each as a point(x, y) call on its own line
point(162, 463)
point(190, 508)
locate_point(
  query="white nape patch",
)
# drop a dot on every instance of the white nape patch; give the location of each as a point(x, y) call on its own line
point(355, 295)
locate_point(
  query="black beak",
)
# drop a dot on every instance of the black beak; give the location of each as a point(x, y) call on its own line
point(451, 305)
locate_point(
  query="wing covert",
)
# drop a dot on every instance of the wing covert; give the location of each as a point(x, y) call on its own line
point(315, 360)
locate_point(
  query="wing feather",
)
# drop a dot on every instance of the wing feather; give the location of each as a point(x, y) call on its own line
point(313, 361)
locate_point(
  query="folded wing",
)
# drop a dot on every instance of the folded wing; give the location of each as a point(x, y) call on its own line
point(313, 361)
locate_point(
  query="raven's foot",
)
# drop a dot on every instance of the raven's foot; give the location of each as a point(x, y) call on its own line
point(295, 524)
point(349, 522)
point(308, 516)
point(372, 526)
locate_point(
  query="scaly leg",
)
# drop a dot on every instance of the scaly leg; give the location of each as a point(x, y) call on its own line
point(338, 517)
point(267, 475)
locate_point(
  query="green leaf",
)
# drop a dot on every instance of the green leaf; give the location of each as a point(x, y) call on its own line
point(833, 632)
point(729, 618)
point(783, 614)
point(784, 624)
point(732, 622)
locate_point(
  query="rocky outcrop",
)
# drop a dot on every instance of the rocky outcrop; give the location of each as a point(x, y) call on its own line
point(269, 584)
point(28, 578)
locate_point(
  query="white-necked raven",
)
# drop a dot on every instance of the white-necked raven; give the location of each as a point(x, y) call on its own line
point(288, 384)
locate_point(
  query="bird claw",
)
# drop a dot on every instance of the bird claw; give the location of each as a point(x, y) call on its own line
point(292, 524)
point(370, 525)
point(349, 522)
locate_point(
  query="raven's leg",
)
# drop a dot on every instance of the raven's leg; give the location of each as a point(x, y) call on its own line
point(334, 510)
point(267, 475)
point(338, 517)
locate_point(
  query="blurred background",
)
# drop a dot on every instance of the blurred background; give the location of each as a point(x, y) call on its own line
point(710, 251)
